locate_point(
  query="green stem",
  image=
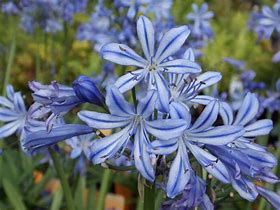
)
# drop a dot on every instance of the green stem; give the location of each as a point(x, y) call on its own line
point(10, 63)
point(104, 189)
point(149, 197)
point(63, 180)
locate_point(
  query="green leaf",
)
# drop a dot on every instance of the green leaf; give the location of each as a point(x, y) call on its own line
point(13, 195)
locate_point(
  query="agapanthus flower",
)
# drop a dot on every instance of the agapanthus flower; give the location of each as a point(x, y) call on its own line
point(244, 159)
point(185, 88)
point(69, 8)
point(135, 122)
point(200, 17)
point(276, 57)
point(133, 6)
point(12, 112)
point(194, 195)
point(201, 132)
point(155, 64)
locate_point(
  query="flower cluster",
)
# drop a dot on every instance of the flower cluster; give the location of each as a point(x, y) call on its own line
point(158, 133)
point(265, 23)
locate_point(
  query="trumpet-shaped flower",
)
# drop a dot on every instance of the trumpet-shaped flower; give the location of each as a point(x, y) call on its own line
point(134, 122)
point(12, 112)
point(155, 63)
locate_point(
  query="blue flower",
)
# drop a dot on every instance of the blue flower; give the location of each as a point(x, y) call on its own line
point(244, 158)
point(80, 145)
point(134, 122)
point(87, 91)
point(201, 132)
point(272, 99)
point(12, 112)
point(194, 195)
point(155, 63)
point(55, 99)
point(133, 6)
point(201, 27)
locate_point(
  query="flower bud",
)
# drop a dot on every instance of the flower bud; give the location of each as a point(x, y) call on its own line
point(87, 91)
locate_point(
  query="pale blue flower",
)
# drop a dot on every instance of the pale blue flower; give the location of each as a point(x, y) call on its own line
point(155, 63)
point(134, 122)
point(12, 113)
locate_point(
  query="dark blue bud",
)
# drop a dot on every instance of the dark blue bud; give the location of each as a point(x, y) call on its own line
point(86, 91)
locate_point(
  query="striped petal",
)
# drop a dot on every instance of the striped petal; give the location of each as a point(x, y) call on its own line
point(171, 42)
point(146, 36)
point(163, 93)
point(146, 105)
point(129, 80)
point(211, 164)
point(117, 104)
point(207, 117)
point(9, 128)
point(208, 78)
point(19, 103)
point(226, 113)
point(163, 147)
point(7, 115)
point(220, 135)
point(248, 110)
point(142, 157)
point(179, 111)
point(122, 54)
point(179, 174)
point(258, 128)
point(166, 129)
point(102, 121)
point(5, 102)
point(180, 66)
point(245, 188)
point(107, 147)
point(34, 141)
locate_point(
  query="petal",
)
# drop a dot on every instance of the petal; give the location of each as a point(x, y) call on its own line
point(34, 141)
point(19, 103)
point(248, 110)
point(189, 55)
point(245, 188)
point(220, 135)
point(211, 164)
point(166, 129)
point(207, 117)
point(141, 156)
point(258, 128)
point(180, 66)
point(117, 104)
point(276, 57)
point(270, 196)
point(122, 54)
point(163, 93)
point(146, 105)
point(208, 78)
point(146, 36)
point(129, 80)
point(202, 99)
point(226, 113)
point(102, 121)
point(171, 42)
point(179, 111)
point(10, 92)
point(163, 147)
point(5, 102)
point(179, 174)
point(9, 128)
point(107, 147)
point(7, 115)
